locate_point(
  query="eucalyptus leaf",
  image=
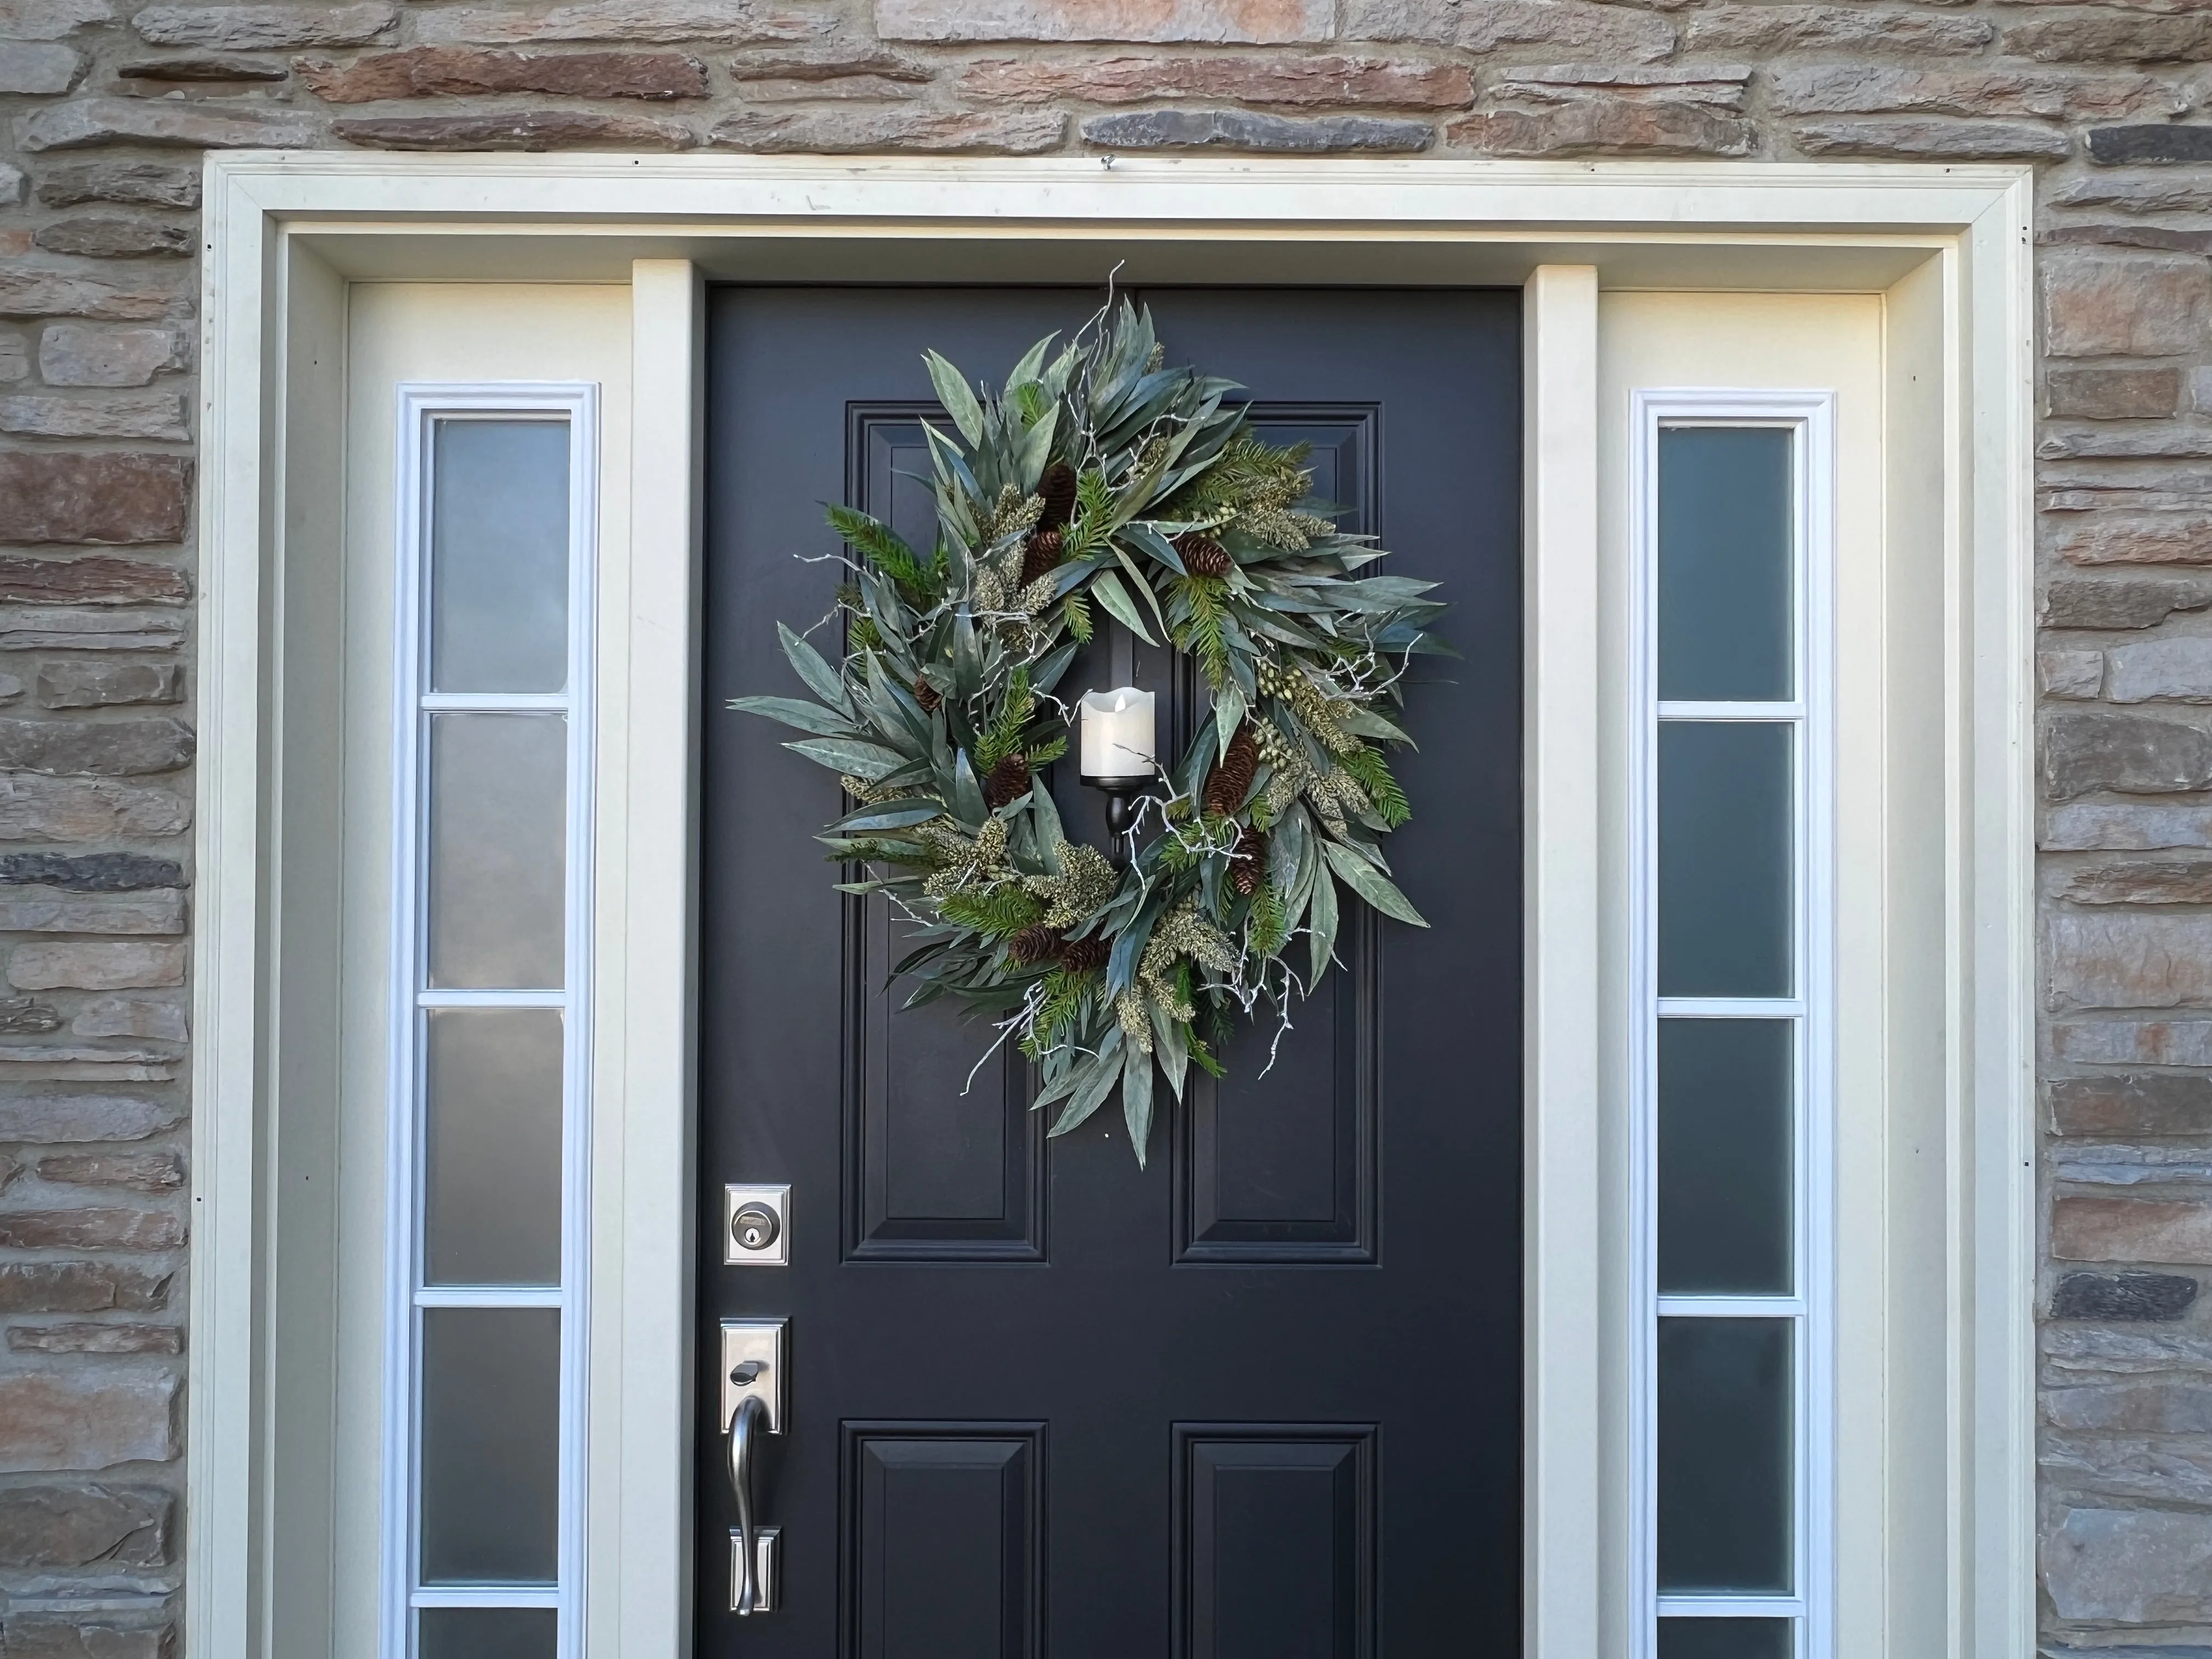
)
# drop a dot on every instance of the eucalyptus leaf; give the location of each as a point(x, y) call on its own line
point(794, 711)
point(957, 396)
point(1371, 884)
point(967, 794)
point(868, 761)
point(1321, 923)
point(887, 815)
point(822, 680)
point(1105, 1070)
point(1111, 594)
point(1137, 1099)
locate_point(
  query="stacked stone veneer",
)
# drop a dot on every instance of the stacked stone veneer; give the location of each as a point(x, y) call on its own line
point(107, 103)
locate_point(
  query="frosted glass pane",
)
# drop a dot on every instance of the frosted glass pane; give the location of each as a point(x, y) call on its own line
point(492, 1213)
point(491, 1442)
point(1727, 564)
point(498, 556)
point(1726, 1638)
point(498, 850)
point(1726, 1111)
point(489, 1632)
point(1726, 795)
point(1725, 1441)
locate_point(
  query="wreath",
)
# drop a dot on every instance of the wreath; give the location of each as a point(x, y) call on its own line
point(1102, 478)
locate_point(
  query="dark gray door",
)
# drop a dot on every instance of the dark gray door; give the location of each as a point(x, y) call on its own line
point(1262, 1399)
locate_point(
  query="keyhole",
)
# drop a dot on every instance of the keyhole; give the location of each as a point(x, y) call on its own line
point(754, 1226)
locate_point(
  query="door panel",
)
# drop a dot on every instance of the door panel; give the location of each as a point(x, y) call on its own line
point(1262, 1398)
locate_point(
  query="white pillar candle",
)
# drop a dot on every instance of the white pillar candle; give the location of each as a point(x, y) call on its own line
point(1117, 733)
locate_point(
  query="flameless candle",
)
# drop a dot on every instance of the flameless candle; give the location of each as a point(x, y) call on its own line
point(1118, 735)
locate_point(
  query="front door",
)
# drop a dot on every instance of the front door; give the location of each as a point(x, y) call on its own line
point(1261, 1400)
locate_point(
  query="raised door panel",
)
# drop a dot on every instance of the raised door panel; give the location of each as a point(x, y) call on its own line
point(944, 1552)
point(945, 1160)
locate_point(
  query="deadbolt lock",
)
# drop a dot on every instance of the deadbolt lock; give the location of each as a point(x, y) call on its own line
point(755, 1226)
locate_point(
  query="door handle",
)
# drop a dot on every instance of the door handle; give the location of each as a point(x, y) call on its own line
point(743, 1428)
point(754, 1403)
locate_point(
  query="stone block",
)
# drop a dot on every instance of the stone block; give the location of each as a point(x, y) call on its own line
point(1933, 140)
point(36, 69)
point(141, 1172)
point(2130, 754)
point(2130, 1466)
point(728, 22)
point(873, 88)
point(76, 354)
point(2097, 827)
point(131, 1016)
point(2126, 1296)
point(1401, 83)
point(1718, 85)
point(1210, 22)
point(1242, 130)
point(2112, 394)
point(2160, 881)
point(96, 965)
point(147, 183)
point(86, 1420)
point(33, 627)
point(96, 580)
point(838, 60)
point(43, 1527)
point(195, 68)
point(96, 1339)
point(2173, 669)
point(2135, 192)
point(110, 749)
point(2146, 306)
point(2145, 1229)
point(79, 1287)
point(2136, 1103)
point(111, 236)
point(90, 872)
point(39, 1637)
point(1856, 89)
point(154, 415)
point(68, 685)
point(265, 28)
point(96, 1229)
point(21, 1017)
point(50, 20)
point(86, 123)
point(468, 72)
point(2163, 538)
point(117, 499)
point(2169, 440)
point(33, 808)
point(2099, 36)
point(529, 129)
point(1764, 30)
point(2149, 1407)
point(46, 910)
point(15, 358)
point(50, 294)
point(1017, 132)
point(2097, 960)
point(1606, 34)
point(2073, 602)
point(2070, 673)
point(2126, 146)
point(1600, 125)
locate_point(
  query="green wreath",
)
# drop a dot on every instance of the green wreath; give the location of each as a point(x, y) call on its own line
point(1103, 477)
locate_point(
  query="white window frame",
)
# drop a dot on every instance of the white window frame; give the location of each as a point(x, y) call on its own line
point(1809, 418)
point(421, 408)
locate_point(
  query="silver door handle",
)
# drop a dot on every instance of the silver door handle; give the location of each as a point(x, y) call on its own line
point(743, 1428)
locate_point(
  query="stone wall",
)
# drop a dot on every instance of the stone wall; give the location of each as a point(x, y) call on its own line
point(107, 105)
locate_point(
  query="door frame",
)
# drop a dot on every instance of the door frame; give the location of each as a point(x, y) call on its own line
point(287, 231)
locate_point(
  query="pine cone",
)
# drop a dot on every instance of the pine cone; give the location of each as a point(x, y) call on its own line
point(1204, 556)
point(1225, 787)
point(1009, 779)
point(1040, 553)
point(1034, 944)
point(1058, 489)
point(927, 695)
point(1248, 863)
point(1085, 955)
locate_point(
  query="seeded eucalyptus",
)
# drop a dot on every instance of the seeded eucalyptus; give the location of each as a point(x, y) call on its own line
point(1100, 478)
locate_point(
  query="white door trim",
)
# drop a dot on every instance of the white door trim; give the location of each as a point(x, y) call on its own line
point(288, 232)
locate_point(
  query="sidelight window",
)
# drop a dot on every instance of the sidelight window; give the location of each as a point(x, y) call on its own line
point(488, 1155)
point(1730, 1078)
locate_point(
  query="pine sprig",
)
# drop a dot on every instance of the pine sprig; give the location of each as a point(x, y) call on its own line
point(1005, 736)
point(1376, 777)
point(885, 549)
point(997, 912)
